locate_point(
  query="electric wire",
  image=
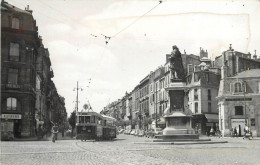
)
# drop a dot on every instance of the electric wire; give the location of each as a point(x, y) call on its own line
point(136, 20)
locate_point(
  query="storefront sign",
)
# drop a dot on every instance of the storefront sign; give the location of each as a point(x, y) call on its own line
point(239, 121)
point(11, 116)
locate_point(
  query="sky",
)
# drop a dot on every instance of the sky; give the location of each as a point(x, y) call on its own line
point(139, 41)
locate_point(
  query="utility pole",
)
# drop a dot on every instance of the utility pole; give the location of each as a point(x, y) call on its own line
point(77, 97)
point(77, 102)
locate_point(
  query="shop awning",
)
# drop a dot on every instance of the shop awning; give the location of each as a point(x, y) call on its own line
point(212, 118)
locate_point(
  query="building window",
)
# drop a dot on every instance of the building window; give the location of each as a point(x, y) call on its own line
point(196, 94)
point(239, 110)
point(196, 107)
point(190, 68)
point(209, 94)
point(14, 52)
point(12, 76)
point(209, 107)
point(15, 23)
point(238, 87)
point(11, 103)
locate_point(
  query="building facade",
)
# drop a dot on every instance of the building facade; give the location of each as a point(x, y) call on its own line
point(25, 73)
point(239, 102)
point(203, 90)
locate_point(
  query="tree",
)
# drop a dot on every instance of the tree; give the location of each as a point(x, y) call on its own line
point(72, 121)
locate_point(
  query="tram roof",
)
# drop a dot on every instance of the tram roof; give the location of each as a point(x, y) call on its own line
point(109, 117)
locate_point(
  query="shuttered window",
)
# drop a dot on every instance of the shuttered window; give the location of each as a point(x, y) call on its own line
point(14, 52)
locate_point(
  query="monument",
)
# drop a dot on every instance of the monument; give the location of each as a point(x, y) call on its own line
point(177, 115)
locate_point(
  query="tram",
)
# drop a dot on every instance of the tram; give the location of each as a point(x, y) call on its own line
point(94, 126)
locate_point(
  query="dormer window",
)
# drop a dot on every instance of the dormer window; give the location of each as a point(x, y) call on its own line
point(238, 87)
point(15, 23)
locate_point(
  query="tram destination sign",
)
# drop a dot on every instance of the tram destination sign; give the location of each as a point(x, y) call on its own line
point(11, 116)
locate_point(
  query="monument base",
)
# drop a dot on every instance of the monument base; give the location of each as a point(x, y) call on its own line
point(178, 127)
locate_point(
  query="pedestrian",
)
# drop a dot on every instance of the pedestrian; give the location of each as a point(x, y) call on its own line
point(246, 130)
point(239, 130)
point(211, 131)
point(235, 131)
point(231, 132)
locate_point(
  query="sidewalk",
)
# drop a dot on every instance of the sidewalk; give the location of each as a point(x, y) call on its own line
point(43, 139)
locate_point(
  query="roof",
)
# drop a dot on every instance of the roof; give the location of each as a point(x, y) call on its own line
point(108, 117)
point(202, 64)
point(8, 6)
point(248, 73)
point(205, 59)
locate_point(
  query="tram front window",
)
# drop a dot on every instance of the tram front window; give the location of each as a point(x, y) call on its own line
point(81, 119)
point(87, 119)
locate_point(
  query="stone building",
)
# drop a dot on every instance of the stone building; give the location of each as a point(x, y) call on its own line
point(144, 101)
point(25, 73)
point(236, 61)
point(158, 111)
point(203, 89)
point(239, 101)
point(19, 43)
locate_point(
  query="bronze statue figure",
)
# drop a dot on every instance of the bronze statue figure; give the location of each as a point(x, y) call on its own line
point(176, 66)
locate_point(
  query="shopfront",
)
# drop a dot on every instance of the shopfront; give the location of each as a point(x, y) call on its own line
point(11, 123)
point(239, 125)
point(211, 122)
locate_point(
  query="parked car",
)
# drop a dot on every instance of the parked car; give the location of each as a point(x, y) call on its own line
point(136, 132)
point(141, 133)
point(132, 132)
point(127, 132)
point(121, 131)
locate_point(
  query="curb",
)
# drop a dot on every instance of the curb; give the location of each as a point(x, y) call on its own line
point(181, 143)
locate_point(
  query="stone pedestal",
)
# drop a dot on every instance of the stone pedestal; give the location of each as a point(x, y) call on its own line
point(177, 115)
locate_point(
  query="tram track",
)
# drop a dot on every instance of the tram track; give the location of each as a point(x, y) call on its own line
point(47, 152)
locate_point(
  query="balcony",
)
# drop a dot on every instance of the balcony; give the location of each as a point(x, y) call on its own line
point(12, 86)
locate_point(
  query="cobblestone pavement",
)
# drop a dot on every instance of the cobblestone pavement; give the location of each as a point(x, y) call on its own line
point(124, 150)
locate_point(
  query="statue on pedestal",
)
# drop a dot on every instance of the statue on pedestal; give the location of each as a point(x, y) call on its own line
point(176, 66)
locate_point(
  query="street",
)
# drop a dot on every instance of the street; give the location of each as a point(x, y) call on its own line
point(126, 149)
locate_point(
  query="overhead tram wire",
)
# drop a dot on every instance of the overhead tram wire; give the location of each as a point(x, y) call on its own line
point(107, 38)
point(136, 20)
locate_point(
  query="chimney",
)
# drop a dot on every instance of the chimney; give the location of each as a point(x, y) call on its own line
point(230, 46)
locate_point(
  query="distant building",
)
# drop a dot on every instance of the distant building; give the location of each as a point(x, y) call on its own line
point(203, 90)
point(144, 101)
